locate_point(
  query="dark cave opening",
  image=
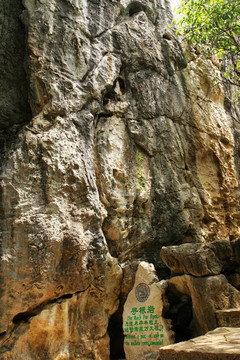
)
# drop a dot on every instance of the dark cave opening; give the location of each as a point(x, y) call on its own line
point(135, 8)
point(115, 331)
point(112, 94)
point(181, 314)
point(167, 36)
point(122, 85)
point(24, 316)
point(14, 86)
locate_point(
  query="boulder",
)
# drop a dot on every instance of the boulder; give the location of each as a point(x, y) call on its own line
point(208, 294)
point(219, 344)
point(228, 317)
point(197, 259)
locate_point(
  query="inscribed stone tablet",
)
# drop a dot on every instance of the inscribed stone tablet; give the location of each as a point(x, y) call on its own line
point(145, 329)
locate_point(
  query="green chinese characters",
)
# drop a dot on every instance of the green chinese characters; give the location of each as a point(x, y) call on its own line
point(143, 328)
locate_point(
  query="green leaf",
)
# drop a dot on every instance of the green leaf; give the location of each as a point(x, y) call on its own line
point(214, 26)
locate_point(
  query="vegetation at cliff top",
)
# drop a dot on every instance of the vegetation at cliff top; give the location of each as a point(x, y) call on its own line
point(214, 27)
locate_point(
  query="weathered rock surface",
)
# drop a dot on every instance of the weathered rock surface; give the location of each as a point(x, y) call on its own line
point(145, 327)
point(219, 344)
point(72, 327)
point(198, 259)
point(129, 148)
point(208, 294)
point(234, 280)
point(228, 317)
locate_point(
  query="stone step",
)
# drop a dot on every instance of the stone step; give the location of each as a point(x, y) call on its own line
point(228, 317)
point(223, 343)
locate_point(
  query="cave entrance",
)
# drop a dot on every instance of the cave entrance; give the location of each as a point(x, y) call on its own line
point(135, 8)
point(181, 314)
point(115, 331)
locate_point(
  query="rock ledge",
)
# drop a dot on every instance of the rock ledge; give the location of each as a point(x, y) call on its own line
point(220, 344)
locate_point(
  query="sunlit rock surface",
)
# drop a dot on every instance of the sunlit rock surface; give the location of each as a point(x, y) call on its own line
point(219, 344)
point(113, 143)
point(199, 259)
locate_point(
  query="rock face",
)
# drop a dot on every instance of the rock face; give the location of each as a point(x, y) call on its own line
point(145, 327)
point(211, 294)
point(220, 344)
point(208, 295)
point(228, 317)
point(113, 144)
point(71, 327)
point(198, 259)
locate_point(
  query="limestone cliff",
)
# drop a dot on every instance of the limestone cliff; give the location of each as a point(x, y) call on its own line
point(114, 143)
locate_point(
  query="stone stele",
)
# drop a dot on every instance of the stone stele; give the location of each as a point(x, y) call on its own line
point(144, 327)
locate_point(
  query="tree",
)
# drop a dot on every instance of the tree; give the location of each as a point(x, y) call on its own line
point(214, 27)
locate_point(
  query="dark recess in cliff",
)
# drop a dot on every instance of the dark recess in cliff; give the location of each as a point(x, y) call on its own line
point(13, 81)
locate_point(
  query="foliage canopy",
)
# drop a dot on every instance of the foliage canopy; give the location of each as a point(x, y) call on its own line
point(214, 26)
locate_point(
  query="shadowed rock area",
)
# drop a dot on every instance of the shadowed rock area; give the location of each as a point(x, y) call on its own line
point(114, 144)
point(13, 79)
